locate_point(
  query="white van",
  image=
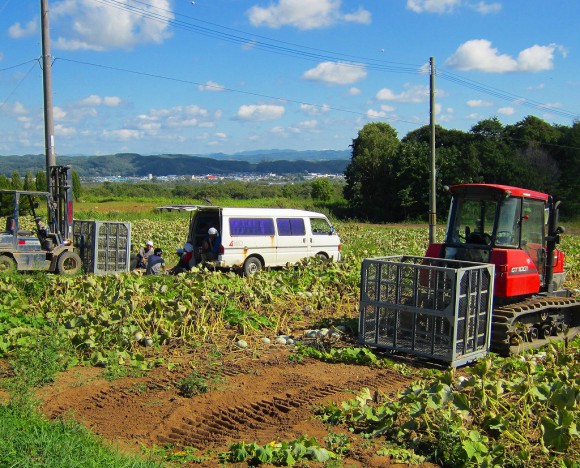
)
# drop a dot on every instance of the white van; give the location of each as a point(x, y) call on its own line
point(254, 238)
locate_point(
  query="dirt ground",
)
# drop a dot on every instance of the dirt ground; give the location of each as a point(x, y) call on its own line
point(258, 397)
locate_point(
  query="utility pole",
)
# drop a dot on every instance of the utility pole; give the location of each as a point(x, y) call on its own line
point(433, 179)
point(47, 89)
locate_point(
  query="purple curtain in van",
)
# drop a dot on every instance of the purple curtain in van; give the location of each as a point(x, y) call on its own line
point(290, 227)
point(251, 227)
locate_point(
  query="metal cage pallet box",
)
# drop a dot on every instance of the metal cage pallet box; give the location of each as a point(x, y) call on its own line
point(431, 307)
point(104, 246)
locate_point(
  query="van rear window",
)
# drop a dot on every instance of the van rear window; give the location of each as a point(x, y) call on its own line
point(290, 226)
point(251, 227)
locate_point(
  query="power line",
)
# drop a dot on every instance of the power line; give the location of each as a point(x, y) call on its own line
point(314, 54)
point(502, 94)
point(19, 82)
point(250, 93)
point(273, 45)
point(18, 65)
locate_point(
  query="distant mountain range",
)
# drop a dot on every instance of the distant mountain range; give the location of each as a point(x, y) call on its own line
point(137, 165)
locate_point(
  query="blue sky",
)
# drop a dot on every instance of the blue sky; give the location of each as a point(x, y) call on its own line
point(205, 76)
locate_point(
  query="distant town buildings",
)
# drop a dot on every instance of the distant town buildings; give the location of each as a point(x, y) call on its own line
point(245, 177)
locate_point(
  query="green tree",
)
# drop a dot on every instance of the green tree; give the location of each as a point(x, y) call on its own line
point(29, 183)
point(567, 156)
point(4, 182)
point(40, 183)
point(15, 181)
point(322, 189)
point(76, 186)
point(371, 179)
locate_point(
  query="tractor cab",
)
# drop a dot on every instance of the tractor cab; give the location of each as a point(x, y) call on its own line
point(506, 226)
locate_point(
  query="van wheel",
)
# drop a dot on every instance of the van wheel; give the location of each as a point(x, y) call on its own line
point(322, 256)
point(69, 263)
point(252, 266)
point(7, 264)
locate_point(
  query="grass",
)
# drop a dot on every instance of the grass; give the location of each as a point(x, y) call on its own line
point(29, 439)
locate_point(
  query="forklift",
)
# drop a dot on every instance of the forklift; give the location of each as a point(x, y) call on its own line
point(38, 228)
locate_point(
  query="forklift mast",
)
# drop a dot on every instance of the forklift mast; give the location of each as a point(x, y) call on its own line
point(62, 199)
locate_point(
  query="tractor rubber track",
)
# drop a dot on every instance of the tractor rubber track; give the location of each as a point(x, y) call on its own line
point(533, 323)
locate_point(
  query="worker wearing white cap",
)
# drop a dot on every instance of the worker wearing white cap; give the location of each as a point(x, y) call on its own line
point(211, 245)
point(144, 253)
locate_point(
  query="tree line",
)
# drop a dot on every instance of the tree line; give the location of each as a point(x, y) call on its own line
point(36, 183)
point(387, 178)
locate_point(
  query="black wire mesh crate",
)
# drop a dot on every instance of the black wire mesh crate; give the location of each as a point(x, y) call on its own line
point(430, 307)
point(104, 246)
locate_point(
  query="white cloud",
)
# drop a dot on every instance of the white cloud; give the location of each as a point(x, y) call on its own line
point(449, 6)
point(260, 112)
point(486, 8)
point(62, 131)
point(221, 135)
point(433, 6)
point(95, 101)
point(305, 14)
point(25, 121)
point(122, 134)
point(311, 109)
point(478, 103)
point(59, 113)
point(506, 111)
point(536, 87)
point(384, 111)
point(111, 101)
point(92, 100)
point(176, 117)
point(210, 86)
point(478, 54)
point(354, 91)
point(19, 109)
point(361, 16)
point(336, 73)
point(308, 124)
point(90, 25)
point(413, 94)
point(17, 31)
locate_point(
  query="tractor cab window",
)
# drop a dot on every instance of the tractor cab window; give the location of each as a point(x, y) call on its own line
point(473, 221)
point(508, 223)
point(533, 224)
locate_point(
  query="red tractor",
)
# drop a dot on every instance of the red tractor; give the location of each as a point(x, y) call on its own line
point(517, 231)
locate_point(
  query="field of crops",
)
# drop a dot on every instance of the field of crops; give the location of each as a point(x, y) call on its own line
point(513, 412)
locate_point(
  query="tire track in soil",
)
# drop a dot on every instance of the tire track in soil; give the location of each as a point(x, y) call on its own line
point(257, 400)
point(269, 418)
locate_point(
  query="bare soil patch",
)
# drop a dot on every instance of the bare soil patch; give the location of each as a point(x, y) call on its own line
point(257, 398)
